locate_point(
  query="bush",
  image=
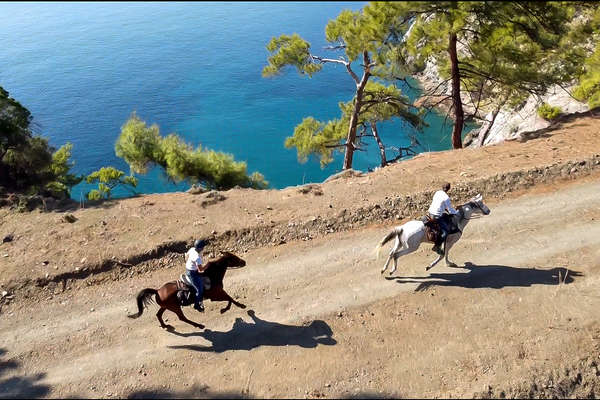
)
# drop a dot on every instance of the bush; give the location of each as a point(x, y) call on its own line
point(549, 112)
point(142, 146)
point(108, 178)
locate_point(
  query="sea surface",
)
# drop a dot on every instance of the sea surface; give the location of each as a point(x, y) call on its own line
point(192, 68)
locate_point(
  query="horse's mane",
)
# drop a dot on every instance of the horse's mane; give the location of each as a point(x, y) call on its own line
point(215, 269)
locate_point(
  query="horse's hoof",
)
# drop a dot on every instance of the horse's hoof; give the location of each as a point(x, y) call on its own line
point(168, 327)
point(242, 306)
point(223, 310)
point(427, 268)
point(451, 265)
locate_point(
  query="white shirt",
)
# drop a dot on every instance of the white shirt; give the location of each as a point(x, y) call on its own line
point(193, 259)
point(441, 203)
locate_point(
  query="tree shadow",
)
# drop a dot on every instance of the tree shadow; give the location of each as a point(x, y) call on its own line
point(558, 123)
point(195, 392)
point(246, 336)
point(493, 277)
point(19, 386)
point(203, 392)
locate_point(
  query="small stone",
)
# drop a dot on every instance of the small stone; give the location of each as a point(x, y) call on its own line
point(83, 260)
point(4, 293)
point(269, 208)
point(92, 309)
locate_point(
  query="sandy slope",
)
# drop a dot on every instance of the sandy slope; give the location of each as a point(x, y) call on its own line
point(327, 324)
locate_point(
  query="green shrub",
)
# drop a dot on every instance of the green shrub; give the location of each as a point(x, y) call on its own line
point(108, 178)
point(549, 112)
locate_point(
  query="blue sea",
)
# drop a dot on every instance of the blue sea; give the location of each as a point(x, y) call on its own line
point(192, 68)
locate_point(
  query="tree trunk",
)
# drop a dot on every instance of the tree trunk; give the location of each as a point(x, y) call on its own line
point(459, 115)
point(351, 138)
point(379, 143)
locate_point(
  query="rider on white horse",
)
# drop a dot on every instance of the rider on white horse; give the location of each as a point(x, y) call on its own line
point(439, 205)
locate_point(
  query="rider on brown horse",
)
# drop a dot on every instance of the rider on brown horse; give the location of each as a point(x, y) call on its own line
point(439, 206)
point(194, 267)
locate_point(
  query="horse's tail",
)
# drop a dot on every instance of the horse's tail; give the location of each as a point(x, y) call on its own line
point(395, 232)
point(144, 298)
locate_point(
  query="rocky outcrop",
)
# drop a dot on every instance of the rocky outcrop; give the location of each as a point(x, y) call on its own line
point(508, 124)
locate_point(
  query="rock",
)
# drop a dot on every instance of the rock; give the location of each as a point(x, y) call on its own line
point(212, 197)
point(70, 218)
point(311, 188)
point(347, 173)
point(196, 189)
point(8, 238)
point(4, 293)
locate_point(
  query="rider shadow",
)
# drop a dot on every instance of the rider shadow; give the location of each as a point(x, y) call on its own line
point(246, 336)
point(493, 277)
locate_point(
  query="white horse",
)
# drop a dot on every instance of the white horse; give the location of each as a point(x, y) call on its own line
point(411, 234)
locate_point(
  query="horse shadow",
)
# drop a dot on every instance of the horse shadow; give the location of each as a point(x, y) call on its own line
point(493, 277)
point(249, 335)
point(20, 386)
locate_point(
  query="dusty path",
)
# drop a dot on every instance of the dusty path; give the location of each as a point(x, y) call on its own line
point(327, 324)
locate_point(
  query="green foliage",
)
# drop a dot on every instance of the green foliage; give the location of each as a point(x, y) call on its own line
point(138, 144)
point(364, 35)
point(27, 162)
point(108, 178)
point(289, 50)
point(319, 138)
point(142, 146)
point(14, 124)
point(506, 50)
point(549, 112)
point(381, 103)
point(60, 168)
point(589, 83)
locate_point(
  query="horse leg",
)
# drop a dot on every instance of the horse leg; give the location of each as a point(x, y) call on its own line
point(394, 249)
point(162, 323)
point(449, 243)
point(437, 260)
point(405, 250)
point(174, 307)
point(220, 295)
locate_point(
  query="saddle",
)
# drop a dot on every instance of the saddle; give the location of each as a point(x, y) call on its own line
point(186, 293)
point(433, 229)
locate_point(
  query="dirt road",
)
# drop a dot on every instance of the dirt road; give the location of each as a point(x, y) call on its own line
point(325, 323)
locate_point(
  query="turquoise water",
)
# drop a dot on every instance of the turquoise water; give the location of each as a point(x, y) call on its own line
point(192, 68)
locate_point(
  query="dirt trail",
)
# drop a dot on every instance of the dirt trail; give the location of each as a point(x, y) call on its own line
point(327, 324)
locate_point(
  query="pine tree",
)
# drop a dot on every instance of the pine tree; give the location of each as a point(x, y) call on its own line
point(493, 52)
point(361, 39)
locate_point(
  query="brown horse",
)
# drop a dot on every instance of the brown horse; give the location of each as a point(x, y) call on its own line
point(166, 295)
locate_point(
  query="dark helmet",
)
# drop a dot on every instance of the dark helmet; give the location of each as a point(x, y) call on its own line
point(199, 244)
